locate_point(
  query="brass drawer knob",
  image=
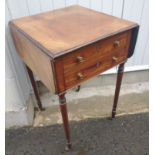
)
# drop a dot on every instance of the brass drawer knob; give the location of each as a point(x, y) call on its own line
point(80, 76)
point(80, 59)
point(115, 59)
point(116, 43)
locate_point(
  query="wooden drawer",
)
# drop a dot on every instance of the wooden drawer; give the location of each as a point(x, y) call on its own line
point(97, 58)
point(90, 54)
point(102, 64)
point(57, 50)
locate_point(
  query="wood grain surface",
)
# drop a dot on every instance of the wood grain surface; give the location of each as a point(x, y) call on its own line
point(94, 51)
point(62, 31)
point(34, 58)
point(95, 60)
point(69, 46)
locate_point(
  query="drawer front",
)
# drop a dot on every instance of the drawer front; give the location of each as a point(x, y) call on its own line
point(92, 60)
point(90, 54)
point(102, 64)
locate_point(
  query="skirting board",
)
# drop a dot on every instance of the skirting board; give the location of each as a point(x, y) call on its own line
point(127, 69)
point(20, 118)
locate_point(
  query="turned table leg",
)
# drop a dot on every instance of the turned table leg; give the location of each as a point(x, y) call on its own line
point(64, 113)
point(118, 86)
point(30, 73)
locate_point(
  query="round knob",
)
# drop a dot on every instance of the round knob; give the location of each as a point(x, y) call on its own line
point(80, 59)
point(116, 43)
point(80, 75)
point(115, 59)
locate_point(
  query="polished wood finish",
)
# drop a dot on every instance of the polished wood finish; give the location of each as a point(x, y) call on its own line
point(34, 58)
point(95, 60)
point(96, 50)
point(64, 113)
point(74, 78)
point(69, 46)
point(35, 89)
point(84, 57)
point(118, 86)
point(62, 31)
point(59, 75)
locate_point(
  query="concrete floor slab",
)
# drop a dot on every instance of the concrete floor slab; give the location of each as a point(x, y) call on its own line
point(92, 132)
point(94, 102)
point(126, 135)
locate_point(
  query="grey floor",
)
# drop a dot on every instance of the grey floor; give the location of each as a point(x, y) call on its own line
point(92, 132)
point(126, 135)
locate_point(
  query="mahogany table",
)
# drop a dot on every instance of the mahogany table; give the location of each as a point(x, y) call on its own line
point(68, 46)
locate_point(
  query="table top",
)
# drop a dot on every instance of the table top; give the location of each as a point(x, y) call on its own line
point(61, 31)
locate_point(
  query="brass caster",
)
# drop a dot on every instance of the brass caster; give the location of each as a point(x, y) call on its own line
point(68, 147)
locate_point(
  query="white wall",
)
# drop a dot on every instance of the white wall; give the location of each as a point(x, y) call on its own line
point(17, 83)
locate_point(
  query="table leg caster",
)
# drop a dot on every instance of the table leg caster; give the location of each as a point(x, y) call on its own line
point(68, 147)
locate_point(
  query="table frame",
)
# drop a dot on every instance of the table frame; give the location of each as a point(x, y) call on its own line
point(63, 104)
